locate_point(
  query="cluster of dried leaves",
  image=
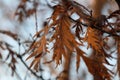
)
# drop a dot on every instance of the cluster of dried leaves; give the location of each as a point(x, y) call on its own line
point(23, 11)
point(69, 34)
point(65, 42)
point(8, 47)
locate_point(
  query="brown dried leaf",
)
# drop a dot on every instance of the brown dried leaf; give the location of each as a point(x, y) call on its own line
point(118, 53)
point(64, 40)
point(79, 54)
point(0, 56)
point(93, 39)
point(38, 48)
point(97, 69)
point(13, 35)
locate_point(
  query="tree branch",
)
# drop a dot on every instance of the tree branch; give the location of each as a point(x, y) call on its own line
point(20, 57)
point(95, 27)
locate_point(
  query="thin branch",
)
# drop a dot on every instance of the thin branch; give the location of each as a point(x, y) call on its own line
point(36, 20)
point(95, 27)
point(18, 76)
point(14, 36)
point(48, 4)
point(20, 57)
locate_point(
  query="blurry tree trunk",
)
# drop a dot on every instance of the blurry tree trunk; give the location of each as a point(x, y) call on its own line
point(97, 7)
point(66, 72)
point(67, 67)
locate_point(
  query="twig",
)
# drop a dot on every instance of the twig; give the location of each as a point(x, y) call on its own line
point(50, 6)
point(20, 57)
point(13, 35)
point(15, 71)
point(95, 27)
point(36, 21)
